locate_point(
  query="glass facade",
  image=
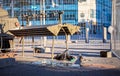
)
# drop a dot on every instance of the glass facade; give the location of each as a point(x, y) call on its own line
point(103, 12)
point(77, 12)
point(36, 8)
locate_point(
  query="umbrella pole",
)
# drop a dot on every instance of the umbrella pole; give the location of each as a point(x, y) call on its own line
point(13, 44)
point(66, 45)
point(66, 42)
point(52, 55)
point(23, 46)
point(1, 43)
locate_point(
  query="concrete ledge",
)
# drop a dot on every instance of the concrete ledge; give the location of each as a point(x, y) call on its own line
point(7, 62)
point(107, 54)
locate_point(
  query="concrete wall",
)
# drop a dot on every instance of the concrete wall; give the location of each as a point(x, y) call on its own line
point(116, 24)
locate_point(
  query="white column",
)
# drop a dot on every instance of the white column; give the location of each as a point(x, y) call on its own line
point(87, 33)
point(113, 22)
point(104, 34)
point(43, 22)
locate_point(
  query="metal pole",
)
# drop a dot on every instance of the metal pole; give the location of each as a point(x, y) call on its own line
point(23, 46)
point(1, 42)
point(87, 33)
point(42, 19)
point(12, 8)
point(60, 16)
point(22, 12)
point(44, 38)
point(13, 43)
point(52, 55)
point(66, 42)
point(33, 44)
point(66, 45)
point(66, 35)
point(41, 12)
point(102, 21)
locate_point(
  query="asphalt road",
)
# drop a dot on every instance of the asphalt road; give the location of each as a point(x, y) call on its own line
point(20, 69)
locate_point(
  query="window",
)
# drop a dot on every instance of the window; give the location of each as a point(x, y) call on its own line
point(69, 17)
point(37, 2)
point(92, 13)
point(59, 2)
point(7, 4)
point(48, 2)
point(82, 15)
point(69, 1)
point(52, 15)
point(82, 1)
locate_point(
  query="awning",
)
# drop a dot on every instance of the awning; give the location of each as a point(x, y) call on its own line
point(46, 30)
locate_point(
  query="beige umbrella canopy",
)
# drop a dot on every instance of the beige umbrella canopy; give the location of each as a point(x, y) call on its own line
point(3, 13)
point(46, 30)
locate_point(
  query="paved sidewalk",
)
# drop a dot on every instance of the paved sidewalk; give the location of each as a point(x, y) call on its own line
point(92, 65)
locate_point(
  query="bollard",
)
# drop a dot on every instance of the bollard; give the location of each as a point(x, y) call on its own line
point(104, 34)
point(87, 35)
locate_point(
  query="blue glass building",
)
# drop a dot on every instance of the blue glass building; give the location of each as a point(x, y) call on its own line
point(77, 12)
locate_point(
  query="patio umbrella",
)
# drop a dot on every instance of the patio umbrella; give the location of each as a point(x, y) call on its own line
point(47, 30)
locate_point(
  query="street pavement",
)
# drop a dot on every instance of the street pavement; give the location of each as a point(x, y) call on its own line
point(92, 63)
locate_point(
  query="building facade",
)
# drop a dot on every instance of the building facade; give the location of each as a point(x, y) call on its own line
point(77, 12)
point(116, 25)
point(50, 8)
point(97, 12)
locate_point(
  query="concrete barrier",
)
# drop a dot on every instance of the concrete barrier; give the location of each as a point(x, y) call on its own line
point(107, 54)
